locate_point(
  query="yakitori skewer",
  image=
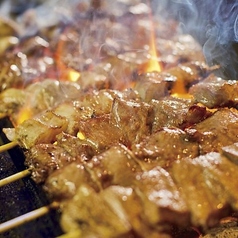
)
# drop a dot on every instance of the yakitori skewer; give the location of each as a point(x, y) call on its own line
point(27, 217)
point(8, 146)
point(15, 177)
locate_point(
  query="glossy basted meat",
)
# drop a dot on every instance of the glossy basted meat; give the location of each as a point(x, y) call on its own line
point(220, 176)
point(170, 112)
point(216, 92)
point(43, 159)
point(205, 206)
point(115, 166)
point(216, 131)
point(158, 187)
point(164, 147)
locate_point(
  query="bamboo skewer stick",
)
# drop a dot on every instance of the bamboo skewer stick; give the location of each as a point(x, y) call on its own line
point(15, 177)
point(8, 146)
point(27, 217)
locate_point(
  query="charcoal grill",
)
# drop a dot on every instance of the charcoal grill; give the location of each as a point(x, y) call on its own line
point(23, 196)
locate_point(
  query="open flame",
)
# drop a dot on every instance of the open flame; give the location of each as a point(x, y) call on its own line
point(153, 64)
point(24, 114)
point(64, 72)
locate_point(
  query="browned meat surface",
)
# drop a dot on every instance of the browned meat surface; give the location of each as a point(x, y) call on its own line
point(185, 75)
point(151, 86)
point(132, 119)
point(176, 112)
point(116, 166)
point(164, 147)
point(46, 158)
point(205, 206)
point(117, 211)
point(216, 131)
point(36, 98)
point(101, 132)
point(221, 176)
point(216, 92)
point(89, 212)
point(224, 230)
point(231, 152)
point(61, 185)
point(158, 187)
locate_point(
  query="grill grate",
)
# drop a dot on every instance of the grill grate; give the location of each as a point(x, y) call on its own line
point(23, 196)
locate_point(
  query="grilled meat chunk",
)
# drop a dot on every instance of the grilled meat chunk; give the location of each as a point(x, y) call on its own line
point(114, 212)
point(164, 147)
point(89, 212)
point(116, 166)
point(205, 206)
point(151, 86)
point(216, 131)
point(132, 119)
point(43, 159)
point(36, 98)
point(169, 112)
point(185, 75)
point(158, 187)
point(63, 183)
point(221, 176)
point(215, 92)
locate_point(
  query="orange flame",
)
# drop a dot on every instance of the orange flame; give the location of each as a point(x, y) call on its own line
point(65, 72)
point(153, 63)
point(24, 114)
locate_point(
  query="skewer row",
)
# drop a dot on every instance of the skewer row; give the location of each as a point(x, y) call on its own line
point(30, 216)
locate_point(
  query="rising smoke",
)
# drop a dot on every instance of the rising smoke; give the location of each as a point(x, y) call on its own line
point(213, 23)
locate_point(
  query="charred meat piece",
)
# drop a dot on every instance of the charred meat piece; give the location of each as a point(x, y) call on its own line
point(164, 147)
point(220, 176)
point(169, 112)
point(215, 92)
point(36, 98)
point(151, 86)
point(115, 166)
point(205, 206)
point(63, 183)
point(140, 214)
point(90, 213)
point(101, 132)
point(132, 118)
point(114, 212)
point(43, 159)
point(42, 129)
point(216, 131)
point(184, 75)
point(158, 187)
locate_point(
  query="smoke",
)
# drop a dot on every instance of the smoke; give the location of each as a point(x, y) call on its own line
point(214, 24)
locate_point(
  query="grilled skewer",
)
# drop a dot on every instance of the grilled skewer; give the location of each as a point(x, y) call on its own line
point(15, 177)
point(8, 146)
point(27, 217)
